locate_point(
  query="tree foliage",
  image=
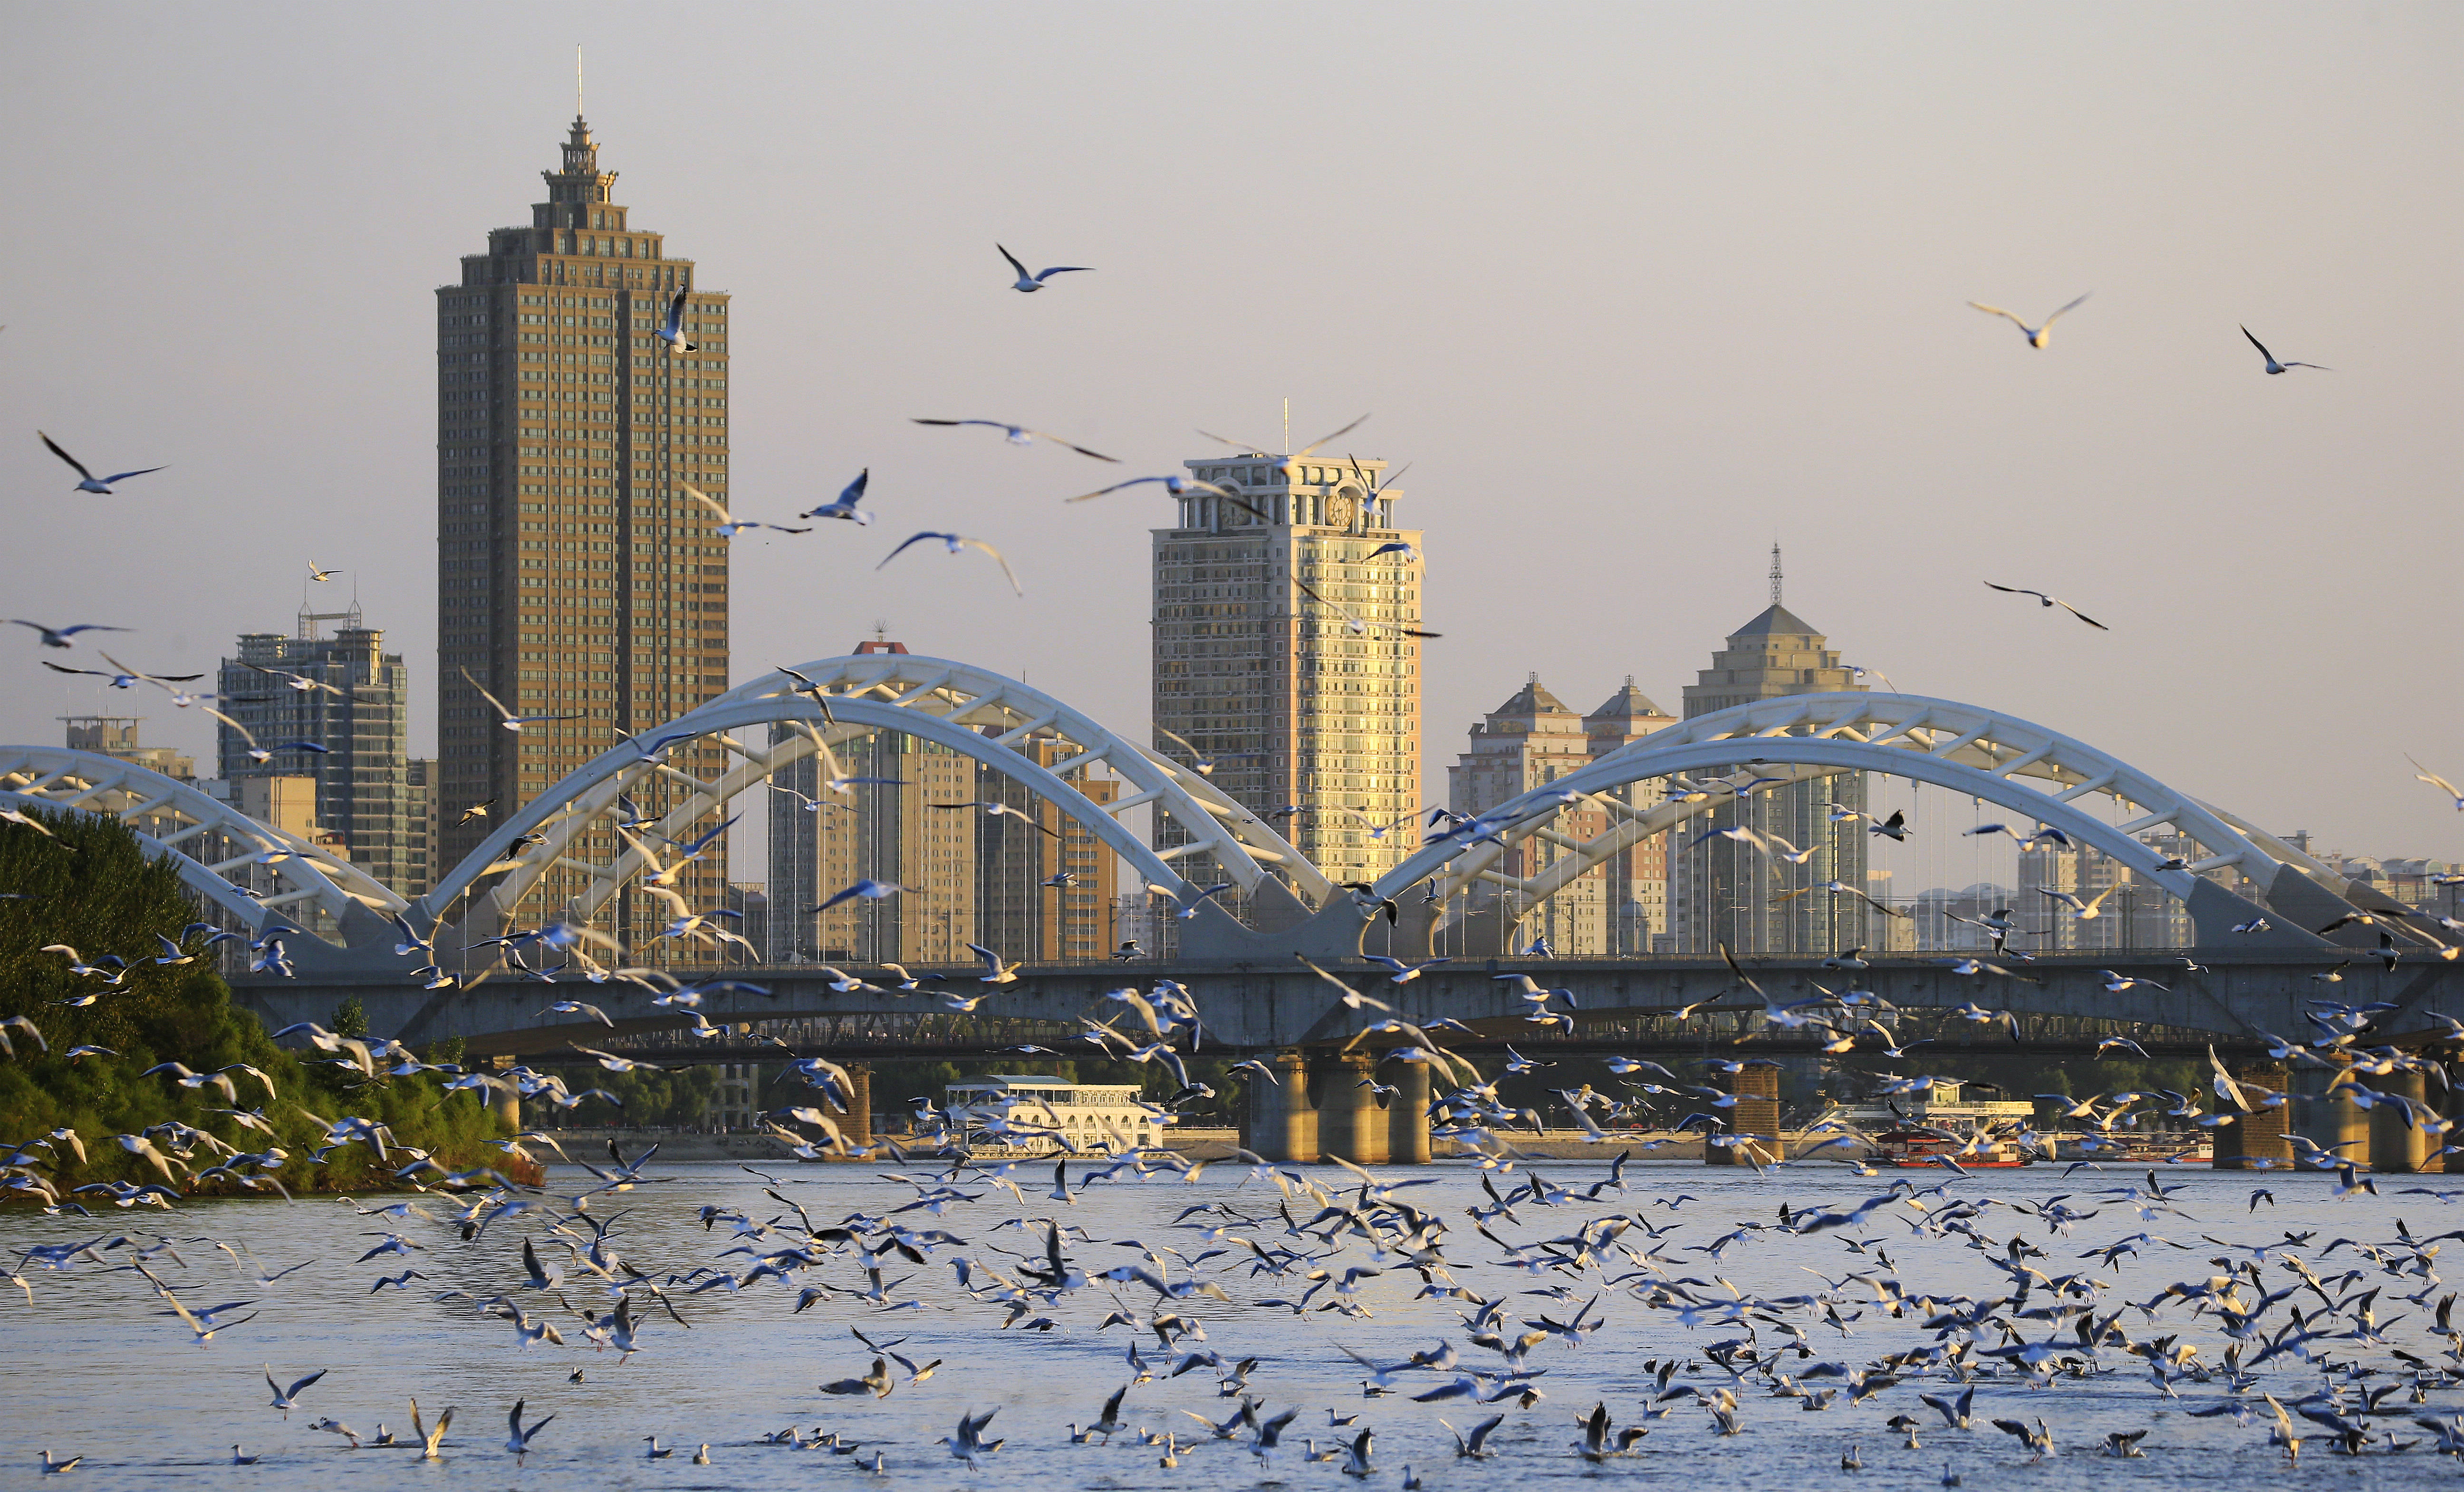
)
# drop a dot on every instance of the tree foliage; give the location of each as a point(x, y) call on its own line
point(88, 884)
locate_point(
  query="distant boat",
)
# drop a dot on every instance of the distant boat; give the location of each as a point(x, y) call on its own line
point(1913, 1147)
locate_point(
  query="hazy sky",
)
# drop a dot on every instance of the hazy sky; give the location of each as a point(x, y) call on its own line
point(1635, 289)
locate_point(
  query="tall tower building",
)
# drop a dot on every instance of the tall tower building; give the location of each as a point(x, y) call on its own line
point(1723, 891)
point(575, 579)
point(355, 706)
point(1636, 879)
point(1310, 706)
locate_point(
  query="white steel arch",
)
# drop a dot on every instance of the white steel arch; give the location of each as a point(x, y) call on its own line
point(935, 699)
point(174, 819)
point(2023, 767)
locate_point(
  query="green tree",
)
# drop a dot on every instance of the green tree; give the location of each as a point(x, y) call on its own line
point(87, 885)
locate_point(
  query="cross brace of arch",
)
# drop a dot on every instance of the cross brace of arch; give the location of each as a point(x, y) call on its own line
point(970, 710)
point(2023, 767)
point(261, 877)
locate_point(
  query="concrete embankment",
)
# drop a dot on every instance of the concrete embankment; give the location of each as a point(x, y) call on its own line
point(591, 1144)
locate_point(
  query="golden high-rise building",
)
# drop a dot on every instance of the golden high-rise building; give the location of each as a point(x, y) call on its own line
point(576, 578)
point(1310, 707)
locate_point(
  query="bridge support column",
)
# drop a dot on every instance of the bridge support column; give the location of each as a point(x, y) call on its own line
point(1755, 1112)
point(2254, 1141)
point(508, 1102)
point(855, 1120)
point(1407, 1116)
point(2398, 1145)
point(2325, 1113)
point(1350, 1124)
point(1283, 1122)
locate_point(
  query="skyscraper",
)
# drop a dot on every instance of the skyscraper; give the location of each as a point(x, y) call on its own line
point(1306, 703)
point(577, 579)
point(355, 703)
point(1724, 891)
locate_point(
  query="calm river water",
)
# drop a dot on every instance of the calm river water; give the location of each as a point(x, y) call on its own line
point(96, 1370)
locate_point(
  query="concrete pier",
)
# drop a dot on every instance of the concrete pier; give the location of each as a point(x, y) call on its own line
point(855, 1120)
point(1756, 1112)
point(2325, 1112)
point(2398, 1144)
point(2254, 1141)
point(1283, 1121)
point(1351, 1123)
point(1407, 1116)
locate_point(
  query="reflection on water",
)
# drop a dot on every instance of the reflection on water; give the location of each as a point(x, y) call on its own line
point(100, 1370)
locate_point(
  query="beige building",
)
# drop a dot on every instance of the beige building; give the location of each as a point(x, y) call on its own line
point(1532, 740)
point(576, 577)
point(1310, 708)
point(1724, 891)
point(115, 736)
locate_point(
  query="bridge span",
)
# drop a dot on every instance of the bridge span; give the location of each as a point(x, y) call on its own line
point(2238, 998)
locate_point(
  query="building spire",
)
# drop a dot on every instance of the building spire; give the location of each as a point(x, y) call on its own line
point(578, 110)
point(1774, 573)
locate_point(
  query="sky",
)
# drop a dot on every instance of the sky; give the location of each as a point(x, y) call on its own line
point(1636, 290)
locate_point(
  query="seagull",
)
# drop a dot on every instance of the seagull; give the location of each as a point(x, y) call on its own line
point(995, 809)
point(1351, 624)
point(282, 1396)
point(475, 811)
point(2044, 600)
point(955, 542)
point(2272, 367)
point(846, 506)
point(2423, 774)
point(996, 971)
point(728, 526)
point(673, 330)
point(58, 636)
point(1180, 486)
point(1030, 284)
point(519, 1440)
point(510, 720)
point(1021, 435)
point(317, 574)
point(869, 889)
point(89, 482)
point(1286, 462)
point(2084, 910)
point(2036, 335)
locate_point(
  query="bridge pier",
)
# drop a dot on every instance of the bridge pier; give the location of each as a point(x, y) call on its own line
point(2255, 1141)
point(2398, 1144)
point(508, 1102)
point(2328, 1117)
point(1756, 1112)
point(855, 1120)
point(1350, 1124)
point(1407, 1116)
point(1283, 1122)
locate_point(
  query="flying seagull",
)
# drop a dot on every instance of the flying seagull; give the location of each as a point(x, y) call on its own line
point(316, 574)
point(673, 330)
point(846, 507)
point(90, 483)
point(2272, 367)
point(1021, 435)
point(729, 526)
point(955, 542)
point(1027, 283)
point(58, 636)
point(510, 720)
point(2425, 774)
point(2044, 600)
point(2036, 335)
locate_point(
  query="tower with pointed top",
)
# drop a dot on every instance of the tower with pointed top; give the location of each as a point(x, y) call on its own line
point(576, 580)
point(1723, 891)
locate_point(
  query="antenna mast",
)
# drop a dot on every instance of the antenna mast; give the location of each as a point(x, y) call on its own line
point(1774, 573)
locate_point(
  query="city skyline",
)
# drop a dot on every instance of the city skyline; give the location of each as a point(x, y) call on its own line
point(1813, 370)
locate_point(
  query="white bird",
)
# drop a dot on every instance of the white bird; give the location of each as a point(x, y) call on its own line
point(2425, 774)
point(1027, 283)
point(846, 507)
point(519, 1440)
point(1179, 486)
point(283, 1397)
point(510, 720)
point(2272, 367)
point(996, 970)
point(2036, 335)
point(953, 542)
point(673, 330)
point(58, 636)
point(87, 481)
point(2044, 600)
point(1021, 435)
point(317, 574)
point(729, 526)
